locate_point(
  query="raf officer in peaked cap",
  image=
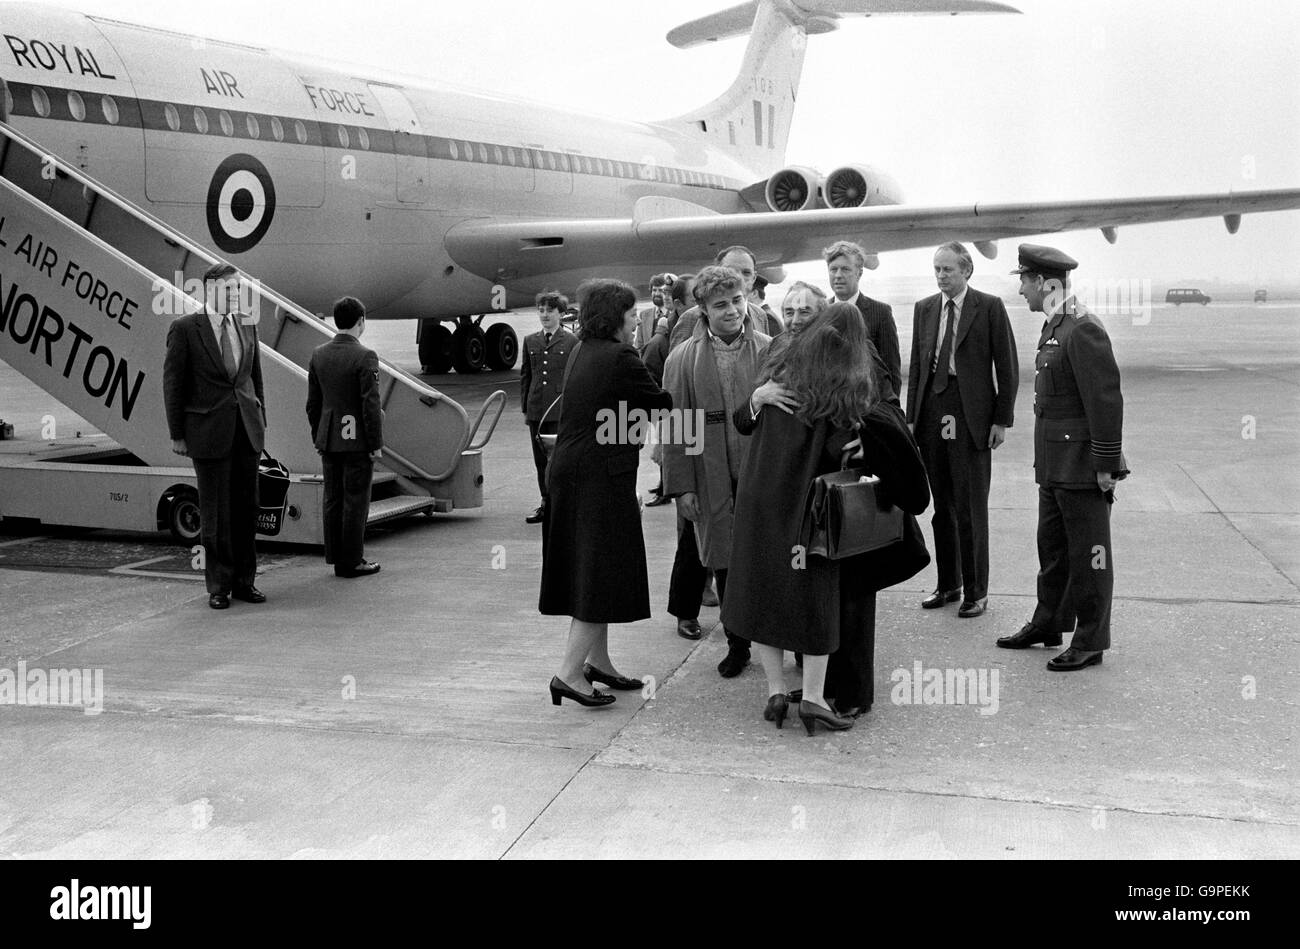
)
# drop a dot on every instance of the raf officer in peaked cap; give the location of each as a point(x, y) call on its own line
point(1078, 419)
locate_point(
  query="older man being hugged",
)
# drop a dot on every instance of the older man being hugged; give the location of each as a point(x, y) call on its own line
point(708, 376)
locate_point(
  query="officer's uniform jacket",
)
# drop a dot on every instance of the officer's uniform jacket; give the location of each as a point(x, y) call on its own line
point(542, 375)
point(343, 385)
point(1078, 407)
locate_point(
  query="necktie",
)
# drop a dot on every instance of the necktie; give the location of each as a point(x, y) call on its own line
point(227, 351)
point(941, 363)
point(548, 339)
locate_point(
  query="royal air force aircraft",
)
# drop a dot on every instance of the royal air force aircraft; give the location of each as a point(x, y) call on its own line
point(436, 204)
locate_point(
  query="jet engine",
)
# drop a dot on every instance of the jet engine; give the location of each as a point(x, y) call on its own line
point(793, 189)
point(859, 186)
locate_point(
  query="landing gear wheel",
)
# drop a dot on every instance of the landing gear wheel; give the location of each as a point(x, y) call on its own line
point(436, 349)
point(502, 346)
point(183, 518)
point(468, 348)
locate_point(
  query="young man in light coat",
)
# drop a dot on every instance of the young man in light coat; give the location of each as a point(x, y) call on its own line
point(709, 376)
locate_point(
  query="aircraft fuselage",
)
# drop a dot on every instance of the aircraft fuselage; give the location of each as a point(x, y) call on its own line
point(323, 181)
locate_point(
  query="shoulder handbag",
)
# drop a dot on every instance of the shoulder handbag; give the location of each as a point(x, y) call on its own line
point(845, 515)
point(548, 440)
point(897, 562)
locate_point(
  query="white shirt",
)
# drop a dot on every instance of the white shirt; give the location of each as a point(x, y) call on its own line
point(236, 347)
point(958, 300)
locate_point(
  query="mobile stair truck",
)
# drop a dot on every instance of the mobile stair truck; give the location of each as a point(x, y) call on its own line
point(89, 285)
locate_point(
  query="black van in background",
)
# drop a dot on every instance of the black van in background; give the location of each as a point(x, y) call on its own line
point(1180, 295)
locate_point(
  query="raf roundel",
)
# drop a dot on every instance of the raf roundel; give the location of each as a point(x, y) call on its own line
point(241, 203)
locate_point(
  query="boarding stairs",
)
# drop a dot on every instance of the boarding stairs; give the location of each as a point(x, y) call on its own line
point(89, 285)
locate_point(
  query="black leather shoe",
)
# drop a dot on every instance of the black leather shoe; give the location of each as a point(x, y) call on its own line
point(561, 691)
point(940, 597)
point(219, 601)
point(777, 707)
point(249, 594)
point(1074, 659)
point(537, 516)
point(622, 683)
point(363, 569)
point(733, 664)
point(689, 629)
point(810, 713)
point(1029, 635)
point(970, 608)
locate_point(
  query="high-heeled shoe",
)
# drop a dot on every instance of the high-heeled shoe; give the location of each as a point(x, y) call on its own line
point(810, 713)
point(777, 706)
point(622, 683)
point(561, 691)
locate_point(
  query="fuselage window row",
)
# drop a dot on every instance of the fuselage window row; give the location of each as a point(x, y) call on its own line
point(479, 152)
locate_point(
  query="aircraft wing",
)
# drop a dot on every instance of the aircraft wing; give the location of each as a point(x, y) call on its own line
point(668, 234)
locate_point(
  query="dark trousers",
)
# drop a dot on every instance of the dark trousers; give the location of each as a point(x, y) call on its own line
point(228, 514)
point(1076, 569)
point(851, 669)
point(689, 577)
point(959, 472)
point(347, 505)
point(539, 453)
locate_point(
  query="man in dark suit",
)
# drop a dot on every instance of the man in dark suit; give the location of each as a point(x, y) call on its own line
point(1078, 459)
point(845, 261)
point(962, 379)
point(216, 415)
point(541, 377)
point(347, 425)
point(661, 284)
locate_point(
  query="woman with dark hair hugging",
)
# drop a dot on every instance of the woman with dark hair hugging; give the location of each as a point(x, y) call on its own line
point(816, 406)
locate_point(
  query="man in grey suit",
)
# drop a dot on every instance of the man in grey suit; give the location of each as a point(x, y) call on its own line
point(347, 425)
point(212, 390)
point(845, 262)
point(961, 395)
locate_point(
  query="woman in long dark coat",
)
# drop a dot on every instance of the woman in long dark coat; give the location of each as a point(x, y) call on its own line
point(817, 401)
point(593, 552)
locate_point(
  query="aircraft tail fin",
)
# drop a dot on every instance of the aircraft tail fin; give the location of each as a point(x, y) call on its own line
point(752, 118)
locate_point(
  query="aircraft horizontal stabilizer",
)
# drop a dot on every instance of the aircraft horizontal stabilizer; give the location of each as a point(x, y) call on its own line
point(565, 252)
point(819, 16)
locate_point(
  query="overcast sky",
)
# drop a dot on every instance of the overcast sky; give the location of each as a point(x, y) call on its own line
point(1068, 100)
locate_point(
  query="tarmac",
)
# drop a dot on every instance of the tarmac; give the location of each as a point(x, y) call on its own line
point(407, 714)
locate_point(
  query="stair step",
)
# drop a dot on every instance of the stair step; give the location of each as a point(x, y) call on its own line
point(399, 506)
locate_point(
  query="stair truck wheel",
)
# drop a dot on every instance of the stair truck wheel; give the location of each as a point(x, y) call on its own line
point(183, 517)
point(502, 346)
point(468, 348)
point(435, 347)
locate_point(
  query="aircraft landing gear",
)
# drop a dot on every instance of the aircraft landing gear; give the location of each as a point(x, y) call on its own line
point(502, 347)
point(469, 349)
point(435, 347)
